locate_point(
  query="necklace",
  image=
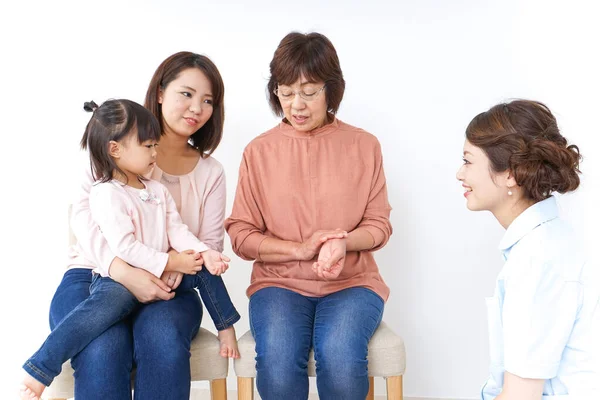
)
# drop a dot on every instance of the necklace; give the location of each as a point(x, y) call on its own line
point(170, 178)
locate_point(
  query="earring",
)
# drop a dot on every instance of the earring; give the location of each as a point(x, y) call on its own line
point(509, 192)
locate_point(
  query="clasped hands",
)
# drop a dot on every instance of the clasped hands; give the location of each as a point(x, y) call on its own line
point(330, 245)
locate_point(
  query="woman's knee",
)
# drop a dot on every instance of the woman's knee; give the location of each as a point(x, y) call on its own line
point(110, 354)
point(164, 330)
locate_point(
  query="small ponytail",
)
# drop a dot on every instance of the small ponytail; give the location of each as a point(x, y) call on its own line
point(90, 106)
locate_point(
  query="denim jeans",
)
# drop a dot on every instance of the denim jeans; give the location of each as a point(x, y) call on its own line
point(339, 326)
point(157, 335)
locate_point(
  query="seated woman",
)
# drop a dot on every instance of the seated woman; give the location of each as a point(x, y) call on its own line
point(544, 318)
point(311, 206)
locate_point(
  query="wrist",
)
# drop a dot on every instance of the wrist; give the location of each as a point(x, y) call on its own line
point(300, 252)
point(171, 261)
point(118, 270)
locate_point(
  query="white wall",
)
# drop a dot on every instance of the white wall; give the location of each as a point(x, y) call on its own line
point(416, 71)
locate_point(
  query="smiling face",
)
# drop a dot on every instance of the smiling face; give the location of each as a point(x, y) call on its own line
point(484, 189)
point(304, 115)
point(187, 103)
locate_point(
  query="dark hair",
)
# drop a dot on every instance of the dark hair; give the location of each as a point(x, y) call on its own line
point(115, 120)
point(207, 138)
point(523, 137)
point(313, 56)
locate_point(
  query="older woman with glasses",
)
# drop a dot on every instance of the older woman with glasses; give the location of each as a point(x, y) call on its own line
point(310, 208)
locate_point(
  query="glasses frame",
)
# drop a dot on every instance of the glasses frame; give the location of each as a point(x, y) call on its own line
point(299, 93)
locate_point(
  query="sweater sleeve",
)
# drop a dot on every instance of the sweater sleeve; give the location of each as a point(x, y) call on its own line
point(180, 237)
point(376, 219)
point(89, 238)
point(109, 210)
point(211, 226)
point(246, 225)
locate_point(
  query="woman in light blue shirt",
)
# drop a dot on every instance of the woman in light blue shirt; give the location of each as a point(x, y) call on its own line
point(544, 318)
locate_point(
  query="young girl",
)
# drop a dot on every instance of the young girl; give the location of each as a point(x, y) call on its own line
point(139, 221)
point(544, 318)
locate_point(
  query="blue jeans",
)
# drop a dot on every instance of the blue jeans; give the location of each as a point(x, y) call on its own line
point(286, 325)
point(155, 336)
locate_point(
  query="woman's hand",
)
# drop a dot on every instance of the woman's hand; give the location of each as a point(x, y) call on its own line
point(141, 283)
point(172, 279)
point(310, 247)
point(331, 259)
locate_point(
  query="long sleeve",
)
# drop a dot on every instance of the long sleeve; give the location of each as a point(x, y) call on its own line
point(246, 225)
point(109, 210)
point(377, 212)
point(180, 237)
point(89, 238)
point(211, 227)
point(292, 184)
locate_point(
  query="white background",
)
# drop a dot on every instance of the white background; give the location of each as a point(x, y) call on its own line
point(416, 72)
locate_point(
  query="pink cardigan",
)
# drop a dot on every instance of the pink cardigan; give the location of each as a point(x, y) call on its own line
point(203, 201)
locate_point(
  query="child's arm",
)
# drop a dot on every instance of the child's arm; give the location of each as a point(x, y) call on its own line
point(108, 207)
point(180, 239)
point(84, 228)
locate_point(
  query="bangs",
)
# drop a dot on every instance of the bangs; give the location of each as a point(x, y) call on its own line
point(147, 126)
point(301, 62)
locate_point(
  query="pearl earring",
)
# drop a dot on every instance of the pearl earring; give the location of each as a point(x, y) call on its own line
point(509, 192)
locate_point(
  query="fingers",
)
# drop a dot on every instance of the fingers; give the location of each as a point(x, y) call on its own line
point(162, 295)
point(162, 285)
point(225, 258)
point(178, 279)
point(332, 235)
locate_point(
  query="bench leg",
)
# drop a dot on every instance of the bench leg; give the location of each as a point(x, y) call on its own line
point(394, 387)
point(218, 389)
point(371, 394)
point(245, 388)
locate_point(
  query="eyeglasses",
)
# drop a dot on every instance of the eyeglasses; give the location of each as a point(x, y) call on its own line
point(287, 94)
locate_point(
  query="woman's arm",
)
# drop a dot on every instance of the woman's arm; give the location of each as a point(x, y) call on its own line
point(517, 388)
point(376, 218)
point(276, 250)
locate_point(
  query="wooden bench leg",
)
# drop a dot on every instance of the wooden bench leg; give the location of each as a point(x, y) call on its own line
point(245, 388)
point(218, 389)
point(371, 394)
point(394, 387)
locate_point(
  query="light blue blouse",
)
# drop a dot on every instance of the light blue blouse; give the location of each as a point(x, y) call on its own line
point(544, 318)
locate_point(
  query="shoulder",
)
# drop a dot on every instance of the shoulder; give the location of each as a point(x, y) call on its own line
point(264, 140)
point(107, 194)
point(358, 135)
point(211, 164)
point(553, 247)
point(106, 189)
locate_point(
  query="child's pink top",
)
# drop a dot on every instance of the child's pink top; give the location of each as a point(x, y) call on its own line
point(141, 225)
point(202, 194)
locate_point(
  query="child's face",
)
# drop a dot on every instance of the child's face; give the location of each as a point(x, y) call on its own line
point(136, 158)
point(187, 103)
point(484, 190)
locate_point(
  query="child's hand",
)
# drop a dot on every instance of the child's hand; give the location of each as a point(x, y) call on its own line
point(187, 262)
point(215, 262)
point(172, 279)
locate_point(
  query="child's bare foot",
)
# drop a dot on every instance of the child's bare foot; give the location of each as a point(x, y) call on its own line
point(31, 388)
point(229, 346)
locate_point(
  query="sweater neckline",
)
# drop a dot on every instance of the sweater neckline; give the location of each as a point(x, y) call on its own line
point(290, 131)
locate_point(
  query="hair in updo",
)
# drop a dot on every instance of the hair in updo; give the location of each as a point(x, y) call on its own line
point(523, 137)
